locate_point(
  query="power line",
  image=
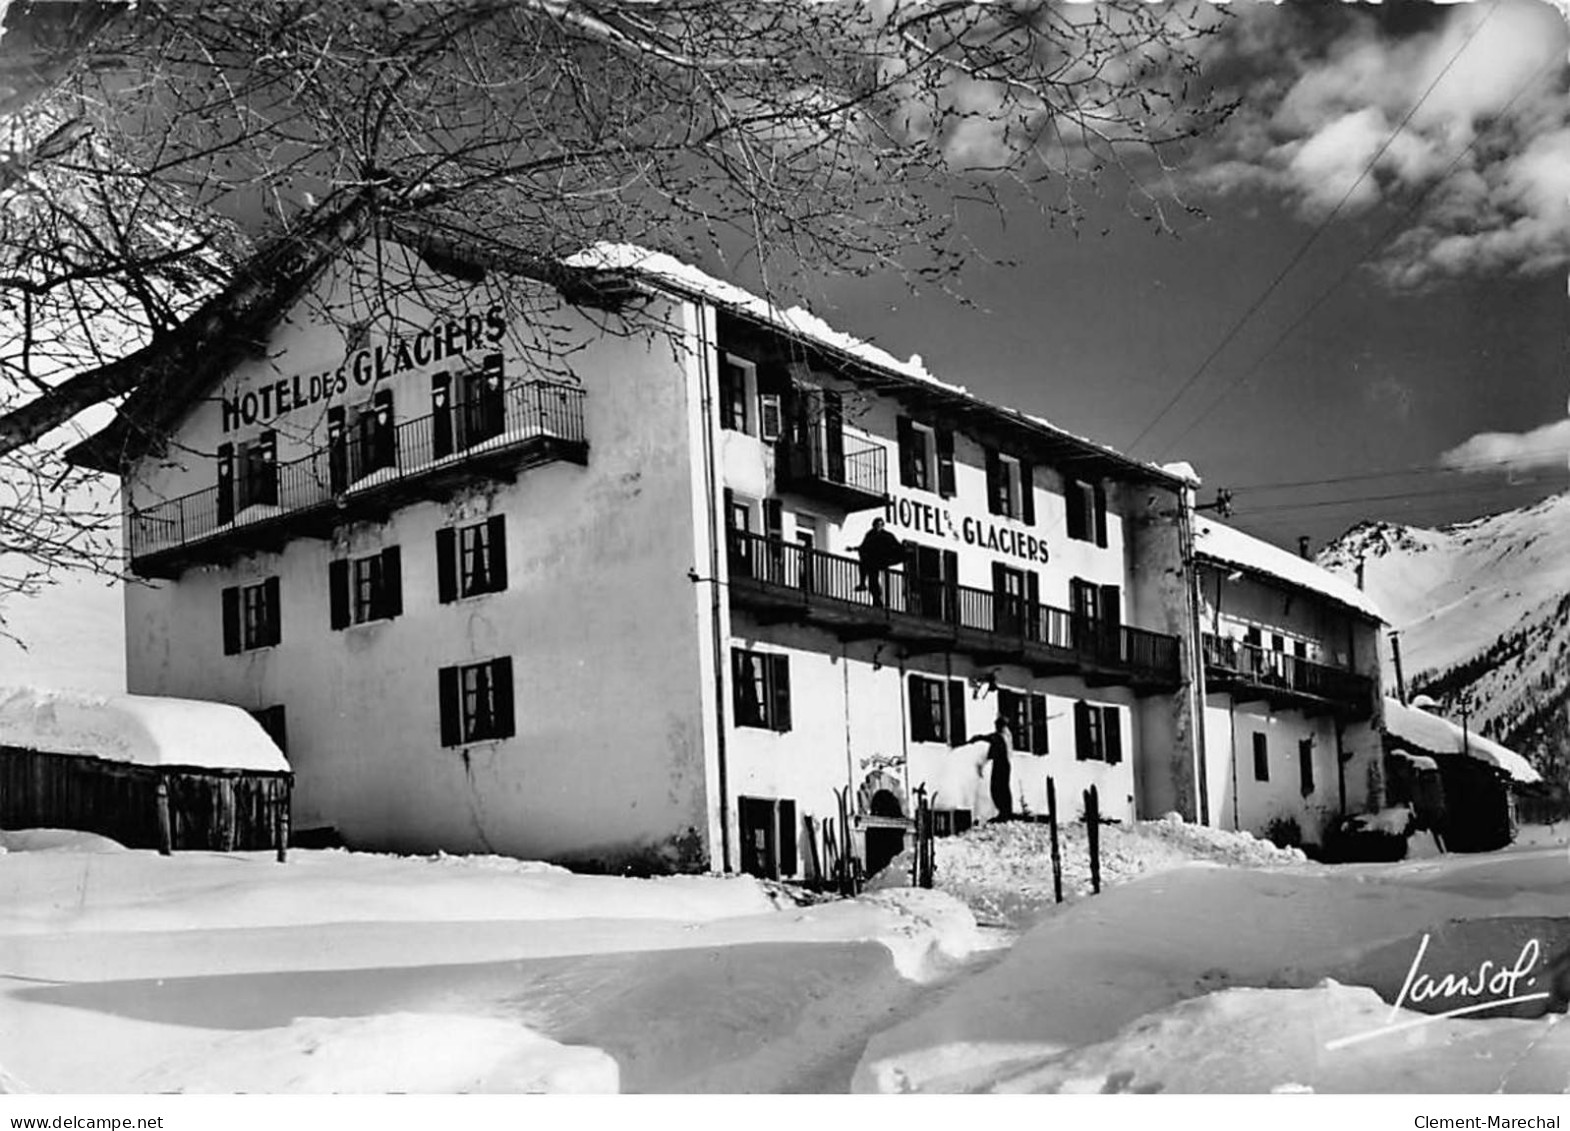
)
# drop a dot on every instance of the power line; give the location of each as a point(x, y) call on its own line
point(1384, 238)
point(1468, 468)
point(1307, 244)
point(1449, 492)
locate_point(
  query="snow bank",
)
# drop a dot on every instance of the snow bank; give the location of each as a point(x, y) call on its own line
point(1276, 1040)
point(1217, 542)
point(56, 840)
point(144, 730)
point(390, 1052)
point(1438, 736)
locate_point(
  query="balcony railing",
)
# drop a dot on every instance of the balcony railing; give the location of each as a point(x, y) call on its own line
point(1284, 679)
point(844, 469)
point(785, 581)
point(537, 421)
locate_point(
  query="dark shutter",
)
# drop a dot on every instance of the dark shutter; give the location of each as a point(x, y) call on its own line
point(756, 816)
point(392, 582)
point(225, 482)
point(273, 606)
point(920, 718)
point(446, 565)
point(1112, 733)
point(337, 451)
point(779, 687)
point(951, 586)
point(906, 433)
point(441, 415)
point(774, 531)
point(451, 707)
point(1100, 494)
point(338, 594)
point(995, 492)
point(787, 838)
point(945, 462)
point(231, 599)
point(834, 433)
point(1078, 517)
point(1111, 619)
point(501, 681)
point(496, 538)
point(957, 736)
point(1027, 492)
point(1038, 724)
point(1082, 738)
point(1008, 706)
point(1033, 625)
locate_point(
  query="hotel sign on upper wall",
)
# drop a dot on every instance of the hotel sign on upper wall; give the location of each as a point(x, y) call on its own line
point(453, 337)
point(927, 518)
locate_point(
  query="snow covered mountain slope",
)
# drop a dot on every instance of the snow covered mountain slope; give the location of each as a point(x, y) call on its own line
point(1483, 608)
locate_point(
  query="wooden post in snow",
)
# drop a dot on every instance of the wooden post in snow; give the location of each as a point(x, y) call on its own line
point(1093, 835)
point(281, 829)
point(1052, 833)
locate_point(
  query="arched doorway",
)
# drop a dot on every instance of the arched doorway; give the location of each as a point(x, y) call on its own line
point(883, 817)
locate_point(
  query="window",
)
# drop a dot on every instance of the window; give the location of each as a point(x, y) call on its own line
point(1016, 594)
point(365, 589)
point(375, 440)
point(1010, 487)
point(737, 380)
point(926, 457)
point(1261, 758)
point(251, 616)
point(761, 689)
point(476, 701)
point(1096, 616)
point(1027, 719)
point(1087, 511)
point(271, 720)
point(1305, 765)
point(768, 836)
point(471, 560)
point(258, 472)
point(482, 405)
point(937, 710)
point(1098, 733)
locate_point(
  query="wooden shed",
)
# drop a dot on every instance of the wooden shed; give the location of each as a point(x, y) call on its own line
point(129, 766)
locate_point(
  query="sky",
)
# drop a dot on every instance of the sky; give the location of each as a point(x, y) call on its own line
point(1372, 307)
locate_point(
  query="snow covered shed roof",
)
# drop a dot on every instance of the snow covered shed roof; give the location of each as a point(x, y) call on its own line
point(1436, 736)
point(1221, 544)
point(144, 730)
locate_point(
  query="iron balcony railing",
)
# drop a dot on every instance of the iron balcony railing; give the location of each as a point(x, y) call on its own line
point(836, 461)
point(1011, 622)
point(360, 462)
point(1267, 670)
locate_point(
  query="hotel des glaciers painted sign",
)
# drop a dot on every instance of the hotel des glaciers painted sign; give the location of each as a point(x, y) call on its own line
point(920, 517)
point(443, 339)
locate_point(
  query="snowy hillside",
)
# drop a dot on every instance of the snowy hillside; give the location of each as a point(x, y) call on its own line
point(1484, 613)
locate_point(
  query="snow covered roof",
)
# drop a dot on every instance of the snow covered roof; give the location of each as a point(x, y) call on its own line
point(1219, 543)
point(674, 274)
point(1435, 735)
point(144, 730)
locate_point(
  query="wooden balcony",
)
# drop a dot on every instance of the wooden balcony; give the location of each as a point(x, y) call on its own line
point(361, 478)
point(847, 472)
point(1285, 682)
point(778, 582)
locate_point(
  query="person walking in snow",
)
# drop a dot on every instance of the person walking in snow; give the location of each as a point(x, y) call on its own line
point(1000, 753)
point(878, 551)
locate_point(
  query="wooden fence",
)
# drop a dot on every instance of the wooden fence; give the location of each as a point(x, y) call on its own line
point(165, 807)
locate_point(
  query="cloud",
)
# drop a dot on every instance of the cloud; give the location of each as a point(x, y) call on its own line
point(1548, 446)
point(1485, 155)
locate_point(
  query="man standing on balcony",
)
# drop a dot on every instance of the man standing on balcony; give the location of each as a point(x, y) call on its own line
point(878, 551)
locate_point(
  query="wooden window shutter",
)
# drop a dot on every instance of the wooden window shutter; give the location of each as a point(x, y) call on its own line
point(905, 431)
point(1038, 723)
point(392, 582)
point(446, 565)
point(994, 483)
point(957, 735)
point(920, 718)
point(951, 585)
point(1112, 733)
point(1078, 518)
point(338, 594)
point(1027, 492)
point(225, 482)
point(496, 537)
point(441, 415)
point(501, 679)
point(1100, 493)
point(787, 851)
point(945, 438)
point(231, 617)
point(272, 602)
point(1008, 706)
point(451, 708)
point(779, 687)
point(1109, 605)
point(1082, 742)
point(773, 519)
point(730, 509)
point(1033, 626)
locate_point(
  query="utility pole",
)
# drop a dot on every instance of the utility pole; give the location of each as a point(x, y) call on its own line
point(1395, 655)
